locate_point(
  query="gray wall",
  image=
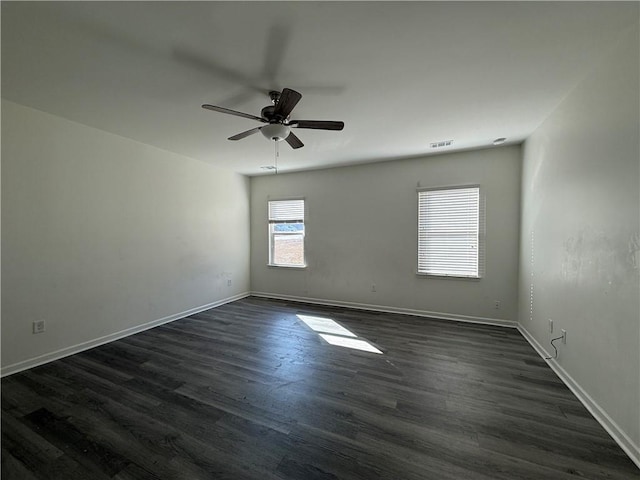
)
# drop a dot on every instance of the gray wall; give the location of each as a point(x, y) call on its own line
point(580, 249)
point(101, 234)
point(361, 230)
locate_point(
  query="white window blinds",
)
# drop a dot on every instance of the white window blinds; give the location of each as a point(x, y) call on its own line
point(449, 230)
point(286, 211)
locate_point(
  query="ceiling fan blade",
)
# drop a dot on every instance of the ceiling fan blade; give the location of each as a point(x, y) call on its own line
point(276, 45)
point(207, 65)
point(240, 136)
point(317, 124)
point(287, 101)
point(294, 141)
point(239, 98)
point(232, 112)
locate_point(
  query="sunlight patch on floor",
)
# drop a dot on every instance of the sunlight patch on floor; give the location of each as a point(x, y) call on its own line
point(335, 334)
point(325, 325)
point(348, 342)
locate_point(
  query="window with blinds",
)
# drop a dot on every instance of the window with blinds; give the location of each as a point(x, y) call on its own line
point(449, 232)
point(286, 233)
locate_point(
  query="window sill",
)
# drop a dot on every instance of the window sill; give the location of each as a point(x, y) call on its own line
point(448, 277)
point(298, 267)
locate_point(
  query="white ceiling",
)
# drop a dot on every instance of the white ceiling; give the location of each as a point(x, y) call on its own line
point(400, 75)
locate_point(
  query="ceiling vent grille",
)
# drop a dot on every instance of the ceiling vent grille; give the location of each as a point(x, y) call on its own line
point(443, 143)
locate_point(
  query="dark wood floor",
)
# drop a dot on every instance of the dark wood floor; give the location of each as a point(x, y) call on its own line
point(247, 391)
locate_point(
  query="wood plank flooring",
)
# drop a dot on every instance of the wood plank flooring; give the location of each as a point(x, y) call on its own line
point(248, 391)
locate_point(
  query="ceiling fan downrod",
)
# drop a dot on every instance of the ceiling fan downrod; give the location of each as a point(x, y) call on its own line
point(274, 96)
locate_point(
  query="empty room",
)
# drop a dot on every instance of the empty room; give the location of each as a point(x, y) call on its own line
point(320, 240)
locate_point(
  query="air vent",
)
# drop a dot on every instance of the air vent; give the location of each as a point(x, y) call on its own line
point(443, 143)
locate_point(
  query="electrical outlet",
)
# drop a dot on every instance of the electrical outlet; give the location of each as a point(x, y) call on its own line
point(38, 326)
point(373, 287)
point(496, 305)
point(550, 326)
point(564, 336)
point(229, 283)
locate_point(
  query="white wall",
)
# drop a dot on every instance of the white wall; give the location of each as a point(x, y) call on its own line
point(101, 234)
point(581, 242)
point(361, 230)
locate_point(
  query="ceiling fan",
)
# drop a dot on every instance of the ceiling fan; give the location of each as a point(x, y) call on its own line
point(276, 117)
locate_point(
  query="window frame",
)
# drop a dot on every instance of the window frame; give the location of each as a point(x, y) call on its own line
point(271, 243)
point(480, 256)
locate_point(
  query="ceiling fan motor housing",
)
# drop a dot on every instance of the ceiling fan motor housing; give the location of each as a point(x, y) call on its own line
point(267, 112)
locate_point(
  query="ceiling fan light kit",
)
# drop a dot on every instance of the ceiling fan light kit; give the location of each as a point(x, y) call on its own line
point(275, 131)
point(276, 117)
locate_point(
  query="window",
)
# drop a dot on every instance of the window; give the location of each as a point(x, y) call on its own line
point(449, 232)
point(286, 233)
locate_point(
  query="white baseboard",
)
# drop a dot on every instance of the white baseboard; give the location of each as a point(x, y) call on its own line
point(65, 352)
point(612, 428)
point(384, 308)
